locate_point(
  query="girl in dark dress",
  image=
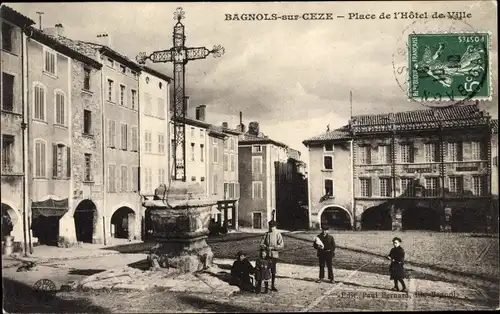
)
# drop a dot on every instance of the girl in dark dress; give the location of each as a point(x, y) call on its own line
point(396, 269)
point(262, 271)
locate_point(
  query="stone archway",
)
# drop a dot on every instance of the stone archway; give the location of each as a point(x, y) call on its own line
point(123, 223)
point(420, 218)
point(376, 218)
point(465, 219)
point(335, 217)
point(9, 220)
point(85, 217)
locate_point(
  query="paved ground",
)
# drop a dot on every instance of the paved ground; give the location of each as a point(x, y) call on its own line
point(362, 276)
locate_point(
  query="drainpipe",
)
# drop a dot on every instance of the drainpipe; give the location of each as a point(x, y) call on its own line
point(309, 192)
point(351, 149)
point(103, 132)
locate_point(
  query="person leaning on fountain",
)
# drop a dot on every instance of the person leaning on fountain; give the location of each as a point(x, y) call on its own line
point(272, 242)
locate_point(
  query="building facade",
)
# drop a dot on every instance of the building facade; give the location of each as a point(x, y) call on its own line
point(425, 169)
point(14, 194)
point(257, 155)
point(229, 205)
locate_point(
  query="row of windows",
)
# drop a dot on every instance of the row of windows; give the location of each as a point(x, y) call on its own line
point(229, 162)
point(160, 106)
point(148, 142)
point(229, 143)
point(454, 152)
point(122, 142)
point(202, 151)
point(231, 190)
point(148, 178)
point(123, 69)
point(202, 132)
point(431, 184)
point(118, 178)
point(124, 98)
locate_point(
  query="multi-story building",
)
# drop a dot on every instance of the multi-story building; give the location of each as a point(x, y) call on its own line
point(14, 121)
point(494, 159)
point(83, 222)
point(257, 155)
point(424, 169)
point(122, 202)
point(228, 206)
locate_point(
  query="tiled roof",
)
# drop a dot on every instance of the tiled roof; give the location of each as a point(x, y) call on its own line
point(15, 17)
point(252, 139)
point(121, 58)
point(77, 45)
point(337, 134)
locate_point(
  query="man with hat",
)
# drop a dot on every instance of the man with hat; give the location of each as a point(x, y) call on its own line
point(325, 245)
point(272, 242)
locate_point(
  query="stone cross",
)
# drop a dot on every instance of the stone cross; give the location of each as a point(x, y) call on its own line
point(179, 54)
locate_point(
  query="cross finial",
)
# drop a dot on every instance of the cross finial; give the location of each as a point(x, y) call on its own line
point(179, 14)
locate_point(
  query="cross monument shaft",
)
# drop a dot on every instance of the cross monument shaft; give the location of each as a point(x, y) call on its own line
point(179, 55)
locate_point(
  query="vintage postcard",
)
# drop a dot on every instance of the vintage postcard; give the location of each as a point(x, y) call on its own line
point(249, 157)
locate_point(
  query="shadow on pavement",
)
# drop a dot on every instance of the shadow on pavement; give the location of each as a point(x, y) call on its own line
point(142, 247)
point(214, 306)
point(85, 272)
point(19, 297)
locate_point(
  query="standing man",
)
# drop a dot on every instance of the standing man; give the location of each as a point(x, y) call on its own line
point(325, 245)
point(272, 242)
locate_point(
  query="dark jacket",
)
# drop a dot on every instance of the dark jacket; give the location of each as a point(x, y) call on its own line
point(241, 270)
point(396, 269)
point(262, 269)
point(328, 242)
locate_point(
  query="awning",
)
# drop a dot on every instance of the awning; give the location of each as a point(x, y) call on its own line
point(49, 208)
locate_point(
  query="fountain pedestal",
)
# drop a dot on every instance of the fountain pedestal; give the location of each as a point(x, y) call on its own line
point(180, 216)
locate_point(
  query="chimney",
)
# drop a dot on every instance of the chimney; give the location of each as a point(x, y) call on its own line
point(253, 128)
point(241, 126)
point(224, 125)
point(60, 29)
point(57, 30)
point(200, 112)
point(105, 40)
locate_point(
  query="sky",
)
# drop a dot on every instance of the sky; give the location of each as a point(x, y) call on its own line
point(293, 77)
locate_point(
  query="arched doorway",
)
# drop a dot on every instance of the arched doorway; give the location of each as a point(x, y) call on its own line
point(336, 217)
point(8, 220)
point(123, 223)
point(420, 218)
point(376, 218)
point(85, 220)
point(468, 220)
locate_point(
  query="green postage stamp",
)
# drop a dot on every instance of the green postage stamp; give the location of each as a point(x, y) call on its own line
point(448, 67)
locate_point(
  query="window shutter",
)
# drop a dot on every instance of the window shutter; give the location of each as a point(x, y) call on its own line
point(54, 160)
point(412, 153)
point(117, 179)
point(437, 151)
point(68, 162)
point(460, 151)
point(110, 135)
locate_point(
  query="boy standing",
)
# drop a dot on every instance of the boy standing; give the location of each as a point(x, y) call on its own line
point(396, 269)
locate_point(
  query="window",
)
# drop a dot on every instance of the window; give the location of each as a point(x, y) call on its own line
point(256, 149)
point(148, 141)
point(455, 151)
point(61, 161)
point(455, 185)
point(364, 155)
point(202, 152)
point(161, 108)
point(193, 178)
point(478, 185)
point(134, 74)
point(133, 98)
point(366, 187)
point(215, 141)
point(123, 69)
point(39, 102)
point(50, 65)
point(111, 90)
point(148, 176)
point(110, 63)
point(215, 154)
point(431, 153)
point(328, 147)
point(135, 179)
point(60, 109)
point(161, 143)
point(7, 91)
point(232, 165)
point(87, 121)
point(328, 162)
point(231, 143)
point(329, 187)
point(256, 164)
point(192, 151)
point(161, 176)
point(476, 151)
point(7, 153)
point(7, 38)
point(147, 103)
point(87, 176)
point(124, 177)
point(226, 162)
point(86, 78)
point(122, 95)
point(112, 133)
point(407, 186)
point(384, 154)
point(124, 136)
point(135, 139)
point(385, 187)
point(226, 143)
point(40, 159)
point(202, 133)
point(111, 178)
point(215, 184)
point(192, 132)
point(257, 189)
point(406, 152)
point(431, 186)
